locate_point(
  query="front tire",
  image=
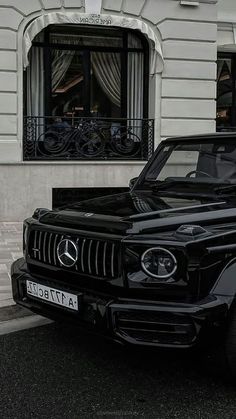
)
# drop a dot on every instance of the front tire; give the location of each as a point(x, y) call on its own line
point(221, 354)
point(229, 346)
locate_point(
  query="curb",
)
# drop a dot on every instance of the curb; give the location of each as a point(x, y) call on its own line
point(16, 318)
point(12, 312)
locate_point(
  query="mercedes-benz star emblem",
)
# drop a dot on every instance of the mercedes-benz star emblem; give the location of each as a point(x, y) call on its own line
point(67, 253)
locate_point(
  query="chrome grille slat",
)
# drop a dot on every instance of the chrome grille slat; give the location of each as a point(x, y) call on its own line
point(76, 265)
point(39, 244)
point(49, 248)
point(89, 256)
point(96, 257)
point(104, 258)
point(35, 244)
point(112, 259)
point(44, 246)
point(82, 255)
point(55, 249)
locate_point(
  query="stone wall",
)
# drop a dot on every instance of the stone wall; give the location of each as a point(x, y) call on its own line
point(25, 187)
point(182, 98)
point(188, 36)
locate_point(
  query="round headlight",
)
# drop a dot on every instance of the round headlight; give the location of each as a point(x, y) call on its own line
point(158, 263)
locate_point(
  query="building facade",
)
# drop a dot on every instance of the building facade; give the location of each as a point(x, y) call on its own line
point(88, 88)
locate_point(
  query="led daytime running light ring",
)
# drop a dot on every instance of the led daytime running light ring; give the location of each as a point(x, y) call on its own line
point(162, 250)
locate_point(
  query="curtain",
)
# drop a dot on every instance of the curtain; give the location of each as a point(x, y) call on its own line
point(107, 70)
point(61, 60)
point(220, 64)
point(135, 92)
point(135, 85)
point(35, 83)
point(35, 91)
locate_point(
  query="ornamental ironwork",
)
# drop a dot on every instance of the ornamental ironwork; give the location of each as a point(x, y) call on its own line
point(59, 138)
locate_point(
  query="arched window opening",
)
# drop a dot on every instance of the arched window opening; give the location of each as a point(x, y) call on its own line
point(88, 79)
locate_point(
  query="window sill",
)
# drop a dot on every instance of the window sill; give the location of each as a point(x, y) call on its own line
point(77, 162)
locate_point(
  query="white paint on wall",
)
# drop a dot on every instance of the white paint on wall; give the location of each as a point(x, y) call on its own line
point(51, 4)
point(8, 125)
point(173, 127)
point(10, 148)
point(189, 70)
point(198, 89)
point(226, 11)
point(225, 34)
point(27, 186)
point(189, 45)
point(8, 60)
point(188, 108)
point(187, 30)
point(7, 39)
point(133, 7)
point(114, 5)
point(93, 6)
point(8, 103)
point(189, 50)
point(75, 4)
point(10, 18)
point(25, 7)
point(158, 10)
point(8, 81)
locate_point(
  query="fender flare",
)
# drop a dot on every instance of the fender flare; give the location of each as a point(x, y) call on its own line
point(226, 282)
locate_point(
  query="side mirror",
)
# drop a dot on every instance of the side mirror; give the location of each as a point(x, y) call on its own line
point(132, 182)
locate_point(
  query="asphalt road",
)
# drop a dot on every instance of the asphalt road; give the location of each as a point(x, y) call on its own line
point(51, 372)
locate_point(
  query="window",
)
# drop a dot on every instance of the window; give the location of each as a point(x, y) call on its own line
point(86, 95)
point(88, 72)
point(203, 162)
point(226, 93)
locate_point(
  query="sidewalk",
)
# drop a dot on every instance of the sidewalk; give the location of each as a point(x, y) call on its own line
point(13, 318)
point(10, 250)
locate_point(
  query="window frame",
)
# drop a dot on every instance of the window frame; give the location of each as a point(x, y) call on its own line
point(232, 57)
point(124, 50)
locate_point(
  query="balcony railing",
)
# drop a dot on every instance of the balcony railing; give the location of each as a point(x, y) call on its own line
point(55, 138)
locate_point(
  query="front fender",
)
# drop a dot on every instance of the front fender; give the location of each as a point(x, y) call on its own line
point(226, 283)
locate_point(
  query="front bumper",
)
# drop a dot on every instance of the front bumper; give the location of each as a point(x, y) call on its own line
point(140, 322)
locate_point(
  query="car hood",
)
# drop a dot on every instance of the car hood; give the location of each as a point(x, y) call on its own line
point(140, 212)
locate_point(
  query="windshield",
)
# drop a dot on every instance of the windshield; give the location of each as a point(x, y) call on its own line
point(203, 162)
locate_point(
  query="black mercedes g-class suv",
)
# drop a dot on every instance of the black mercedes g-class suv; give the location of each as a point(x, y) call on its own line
point(154, 266)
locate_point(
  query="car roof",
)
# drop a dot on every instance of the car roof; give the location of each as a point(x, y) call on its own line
point(216, 136)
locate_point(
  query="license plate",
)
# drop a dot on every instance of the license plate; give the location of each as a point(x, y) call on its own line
point(52, 295)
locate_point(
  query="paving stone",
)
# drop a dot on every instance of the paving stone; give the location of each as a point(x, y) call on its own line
point(7, 302)
point(10, 250)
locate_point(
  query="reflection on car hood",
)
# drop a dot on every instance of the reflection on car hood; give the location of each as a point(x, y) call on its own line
point(139, 212)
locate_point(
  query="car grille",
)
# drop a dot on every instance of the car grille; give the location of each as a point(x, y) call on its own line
point(157, 327)
point(95, 257)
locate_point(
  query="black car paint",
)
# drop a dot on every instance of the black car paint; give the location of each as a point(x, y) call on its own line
point(197, 302)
